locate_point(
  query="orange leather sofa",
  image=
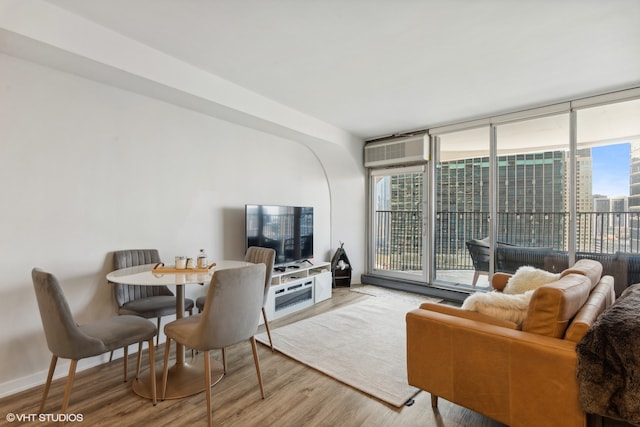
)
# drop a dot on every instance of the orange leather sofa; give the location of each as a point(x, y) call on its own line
point(518, 375)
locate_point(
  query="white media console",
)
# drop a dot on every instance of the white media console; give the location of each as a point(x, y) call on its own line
point(296, 288)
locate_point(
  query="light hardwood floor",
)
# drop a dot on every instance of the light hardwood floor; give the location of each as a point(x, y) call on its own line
point(295, 395)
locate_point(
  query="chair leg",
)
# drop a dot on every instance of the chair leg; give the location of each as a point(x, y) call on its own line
point(125, 358)
point(434, 401)
point(475, 278)
point(158, 334)
point(254, 348)
point(67, 389)
point(111, 356)
point(152, 370)
point(47, 385)
point(207, 385)
point(193, 352)
point(266, 325)
point(139, 361)
point(224, 360)
point(165, 367)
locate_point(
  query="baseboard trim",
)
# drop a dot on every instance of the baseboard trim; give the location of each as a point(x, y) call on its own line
point(418, 288)
point(38, 379)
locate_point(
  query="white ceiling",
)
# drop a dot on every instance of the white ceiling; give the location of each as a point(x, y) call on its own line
point(378, 67)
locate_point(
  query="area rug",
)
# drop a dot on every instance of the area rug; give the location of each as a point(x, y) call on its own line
point(362, 345)
point(379, 291)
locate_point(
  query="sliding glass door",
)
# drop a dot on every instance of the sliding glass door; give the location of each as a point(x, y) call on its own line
point(398, 223)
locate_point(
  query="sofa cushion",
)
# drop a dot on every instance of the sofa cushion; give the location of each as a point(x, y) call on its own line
point(512, 308)
point(553, 305)
point(466, 314)
point(527, 278)
point(587, 267)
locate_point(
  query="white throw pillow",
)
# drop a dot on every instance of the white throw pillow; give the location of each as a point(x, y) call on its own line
point(527, 278)
point(502, 306)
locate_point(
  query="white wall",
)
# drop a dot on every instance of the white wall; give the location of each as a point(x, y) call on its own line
point(86, 169)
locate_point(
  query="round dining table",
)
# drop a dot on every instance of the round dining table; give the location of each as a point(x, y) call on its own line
point(185, 377)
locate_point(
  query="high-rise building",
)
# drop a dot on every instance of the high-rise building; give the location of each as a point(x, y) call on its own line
point(530, 197)
point(634, 192)
point(584, 199)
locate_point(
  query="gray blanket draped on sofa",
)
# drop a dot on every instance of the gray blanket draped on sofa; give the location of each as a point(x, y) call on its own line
point(608, 368)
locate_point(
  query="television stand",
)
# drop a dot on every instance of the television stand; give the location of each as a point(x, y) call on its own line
point(291, 291)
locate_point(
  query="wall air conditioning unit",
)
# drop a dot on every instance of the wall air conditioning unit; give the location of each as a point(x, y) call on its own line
point(401, 151)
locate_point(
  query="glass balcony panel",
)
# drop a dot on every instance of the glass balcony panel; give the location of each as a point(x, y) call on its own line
point(608, 202)
point(462, 207)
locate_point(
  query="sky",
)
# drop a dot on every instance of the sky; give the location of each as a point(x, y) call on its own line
point(610, 165)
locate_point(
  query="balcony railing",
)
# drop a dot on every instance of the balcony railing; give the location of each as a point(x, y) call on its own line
point(398, 235)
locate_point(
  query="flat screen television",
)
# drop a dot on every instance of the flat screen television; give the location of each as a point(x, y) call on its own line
point(287, 229)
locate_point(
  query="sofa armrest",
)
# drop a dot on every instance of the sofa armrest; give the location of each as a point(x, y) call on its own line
point(515, 377)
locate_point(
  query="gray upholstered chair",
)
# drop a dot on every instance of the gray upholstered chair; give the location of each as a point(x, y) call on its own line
point(68, 340)
point(231, 314)
point(257, 255)
point(144, 301)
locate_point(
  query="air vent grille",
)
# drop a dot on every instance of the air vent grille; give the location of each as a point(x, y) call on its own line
point(406, 151)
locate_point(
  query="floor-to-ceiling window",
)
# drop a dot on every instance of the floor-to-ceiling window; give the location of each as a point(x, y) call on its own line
point(608, 187)
point(530, 180)
point(462, 190)
point(531, 184)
